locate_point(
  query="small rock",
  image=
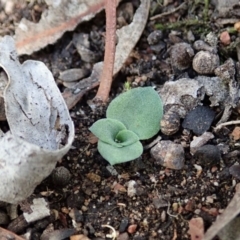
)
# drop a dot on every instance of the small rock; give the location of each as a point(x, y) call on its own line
point(159, 202)
point(123, 225)
point(212, 39)
point(175, 207)
point(69, 84)
point(73, 74)
point(170, 122)
point(199, 120)
point(132, 190)
point(9, 7)
point(196, 228)
point(163, 216)
point(235, 133)
point(82, 43)
point(226, 71)
point(200, 45)
point(111, 170)
point(205, 62)
point(76, 215)
point(190, 206)
point(225, 38)
point(64, 233)
point(197, 142)
point(157, 48)
point(208, 155)
point(123, 236)
point(154, 37)
point(169, 154)
point(181, 55)
point(225, 174)
point(61, 177)
point(234, 170)
point(39, 209)
point(132, 228)
point(215, 89)
point(93, 177)
point(79, 237)
point(237, 26)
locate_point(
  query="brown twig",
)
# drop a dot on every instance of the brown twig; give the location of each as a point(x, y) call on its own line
point(110, 47)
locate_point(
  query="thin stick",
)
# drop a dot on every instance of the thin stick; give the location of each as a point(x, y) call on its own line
point(226, 124)
point(110, 47)
point(183, 5)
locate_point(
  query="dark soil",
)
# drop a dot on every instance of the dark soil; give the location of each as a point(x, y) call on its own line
point(96, 195)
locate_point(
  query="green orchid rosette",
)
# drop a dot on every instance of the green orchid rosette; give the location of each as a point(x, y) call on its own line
point(133, 116)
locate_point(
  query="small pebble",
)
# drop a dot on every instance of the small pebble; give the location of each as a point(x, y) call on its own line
point(76, 215)
point(181, 56)
point(190, 206)
point(234, 170)
point(61, 177)
point(235, 133)
point(163, 216)
point(225, 38)
point(237, 26)
point(132, 188)
point(169, 154)
point(123, 225)
point(73, 74)
point(123, 236)
point(93, 177)
point(208, 155)
point(199, 120)
point(132, 228)
point(175, 207)
point(154, 37)
point(205, 62)
point(159, 202)
point(197, 142)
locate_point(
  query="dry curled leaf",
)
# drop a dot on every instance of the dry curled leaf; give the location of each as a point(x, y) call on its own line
point(60, 17)
point(41, 130)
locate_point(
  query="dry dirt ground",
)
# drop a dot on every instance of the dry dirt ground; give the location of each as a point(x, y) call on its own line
point(162, 200)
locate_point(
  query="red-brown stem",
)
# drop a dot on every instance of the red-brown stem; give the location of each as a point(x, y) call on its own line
point(110, 47)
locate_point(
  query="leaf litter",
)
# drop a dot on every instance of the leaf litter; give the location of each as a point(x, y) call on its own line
point(61, 16)
point(41, 130)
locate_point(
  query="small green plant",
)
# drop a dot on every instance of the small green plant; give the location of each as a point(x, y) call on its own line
point(132, 116)
point(127, 86)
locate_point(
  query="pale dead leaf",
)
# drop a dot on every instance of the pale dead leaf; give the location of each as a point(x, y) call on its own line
point(56, 20)
point(41, 130)
point(232, 210)
point(128, 37)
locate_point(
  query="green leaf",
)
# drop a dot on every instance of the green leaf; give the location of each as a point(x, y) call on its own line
point(107, 129)
point(139, 109)
point(126, 137)
point(115, 155)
